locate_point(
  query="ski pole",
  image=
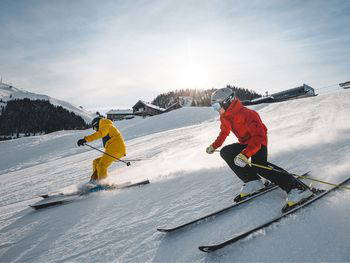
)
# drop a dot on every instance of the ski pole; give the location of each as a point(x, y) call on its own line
point(127, 163)
point(299, 176)
point(134, 160)
point(269, 168)
point(323, 182)
point(279, 170)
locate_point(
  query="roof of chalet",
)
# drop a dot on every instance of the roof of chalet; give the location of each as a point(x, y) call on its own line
point(149, 105)
point(262, 98)
point(288, 91)
point(121, 111)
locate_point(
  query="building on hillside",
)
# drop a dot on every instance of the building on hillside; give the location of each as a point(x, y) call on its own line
point(117, 115)
point(295, 93)
point(142, 108)
point(290, 94)
point(264, 99)
point(345, 85)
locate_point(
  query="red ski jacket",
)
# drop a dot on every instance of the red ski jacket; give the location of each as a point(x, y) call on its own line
point(245, 124)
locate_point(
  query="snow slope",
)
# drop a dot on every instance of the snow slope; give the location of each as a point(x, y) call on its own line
point(28, 151)
point(120, 226)
point(8, 92)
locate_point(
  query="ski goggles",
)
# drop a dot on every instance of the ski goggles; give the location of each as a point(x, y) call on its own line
point(216, 106)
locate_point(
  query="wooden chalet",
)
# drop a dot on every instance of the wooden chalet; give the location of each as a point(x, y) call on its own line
point(142, 108)
point(117, 115)
point(290, 94)
point(295, 93)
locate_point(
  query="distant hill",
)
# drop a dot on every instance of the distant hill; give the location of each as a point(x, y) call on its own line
point(24, 113)
point(25, 117)
point(8, 92)
point(197, 98)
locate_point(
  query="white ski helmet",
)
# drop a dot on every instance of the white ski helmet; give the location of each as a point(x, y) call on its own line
point(223, 97)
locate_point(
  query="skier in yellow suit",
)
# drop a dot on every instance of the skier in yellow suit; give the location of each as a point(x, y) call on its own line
point(113, 143)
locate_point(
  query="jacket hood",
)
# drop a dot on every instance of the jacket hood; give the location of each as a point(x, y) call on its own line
point(104, 122)
point(235, 106)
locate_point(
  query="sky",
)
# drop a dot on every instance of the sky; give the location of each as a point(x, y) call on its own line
point(110, 53)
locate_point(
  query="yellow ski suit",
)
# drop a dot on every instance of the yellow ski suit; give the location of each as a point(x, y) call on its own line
point(113, 143)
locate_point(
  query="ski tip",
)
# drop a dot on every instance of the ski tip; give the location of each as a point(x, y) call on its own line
point(146, 181)
point(35, 207)
point(136, 184)
point(206, 249)
point(164, 230)
point(46, 205)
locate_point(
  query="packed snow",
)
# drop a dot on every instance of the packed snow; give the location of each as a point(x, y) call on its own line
point(120, 226)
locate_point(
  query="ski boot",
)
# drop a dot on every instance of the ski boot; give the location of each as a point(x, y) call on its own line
point(248, 189)
point(297, 196)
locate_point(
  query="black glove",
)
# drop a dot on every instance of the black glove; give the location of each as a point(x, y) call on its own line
point(81, 142)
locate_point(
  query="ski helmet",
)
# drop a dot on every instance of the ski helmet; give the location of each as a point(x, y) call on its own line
point(223, 97)
point(95, 123)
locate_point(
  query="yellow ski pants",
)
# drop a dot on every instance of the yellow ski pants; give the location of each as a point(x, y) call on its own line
point(101, 164)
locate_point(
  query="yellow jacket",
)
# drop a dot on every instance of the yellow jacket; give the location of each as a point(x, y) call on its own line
point(110, 135)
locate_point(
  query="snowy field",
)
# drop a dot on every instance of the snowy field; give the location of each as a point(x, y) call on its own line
point(120, 226)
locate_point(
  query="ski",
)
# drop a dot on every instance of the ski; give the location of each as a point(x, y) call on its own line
point(60, 198)
point(114, 187)
point(267, 189)
point(54, 201)
point(317, 196)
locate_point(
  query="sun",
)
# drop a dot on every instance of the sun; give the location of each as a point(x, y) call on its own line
point(193, 68)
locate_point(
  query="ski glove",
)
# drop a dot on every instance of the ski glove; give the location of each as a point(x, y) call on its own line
point(241, 160)
point(210, 149)
point(81, 142)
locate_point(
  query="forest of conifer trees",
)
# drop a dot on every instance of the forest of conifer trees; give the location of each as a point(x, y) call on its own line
point(30, 117)
point(200, 98)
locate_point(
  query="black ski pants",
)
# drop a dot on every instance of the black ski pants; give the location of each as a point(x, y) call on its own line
point(250, 173)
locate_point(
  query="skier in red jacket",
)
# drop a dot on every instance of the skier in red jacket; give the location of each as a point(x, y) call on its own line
point(252, 143)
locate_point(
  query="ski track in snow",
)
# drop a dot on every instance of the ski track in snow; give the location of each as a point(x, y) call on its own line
point(120, 226)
